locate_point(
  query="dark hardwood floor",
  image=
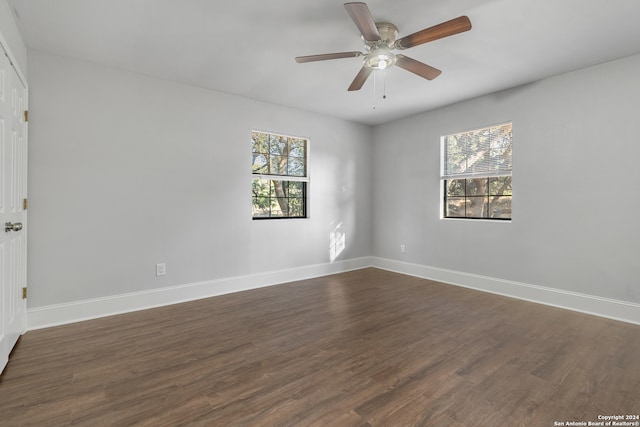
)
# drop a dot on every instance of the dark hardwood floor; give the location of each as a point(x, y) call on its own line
point(364, 348)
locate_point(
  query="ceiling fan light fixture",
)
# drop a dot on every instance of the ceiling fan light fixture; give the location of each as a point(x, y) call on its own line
point(379, 59)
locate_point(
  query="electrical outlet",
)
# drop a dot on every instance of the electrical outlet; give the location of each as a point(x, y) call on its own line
point(161, 269)
point(403, 248)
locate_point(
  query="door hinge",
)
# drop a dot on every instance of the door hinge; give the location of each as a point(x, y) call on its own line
point(24, 293)
point(25, 204)
point(26, 115)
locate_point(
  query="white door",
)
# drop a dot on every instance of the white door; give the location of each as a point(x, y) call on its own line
point(13, 189)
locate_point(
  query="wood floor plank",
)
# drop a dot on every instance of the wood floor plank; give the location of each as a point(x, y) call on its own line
point(363, 348)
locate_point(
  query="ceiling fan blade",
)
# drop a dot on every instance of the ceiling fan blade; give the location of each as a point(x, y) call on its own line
point(416, 67)
point(446, 29)
point(325, 56)
point(362, 77)
point(361, 16)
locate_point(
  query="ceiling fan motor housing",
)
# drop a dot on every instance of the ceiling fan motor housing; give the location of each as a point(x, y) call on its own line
point(380, 56)
point(388, 33)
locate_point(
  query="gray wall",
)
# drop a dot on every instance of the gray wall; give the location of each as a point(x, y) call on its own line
point(576, 191)
point(126, 171)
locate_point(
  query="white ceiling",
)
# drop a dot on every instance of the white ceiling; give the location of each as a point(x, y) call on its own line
point(247, 47)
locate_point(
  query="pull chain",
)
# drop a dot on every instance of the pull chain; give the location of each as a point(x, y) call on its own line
point(384, 84)
point(374, 89)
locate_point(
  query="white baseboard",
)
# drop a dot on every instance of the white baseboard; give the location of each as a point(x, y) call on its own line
point(60, 314)
point(604, 307)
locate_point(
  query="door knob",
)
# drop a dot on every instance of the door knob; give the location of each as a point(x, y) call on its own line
point(16, 226)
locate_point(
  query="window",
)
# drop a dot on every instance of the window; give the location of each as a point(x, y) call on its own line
point(280, 176)
point(476, 173)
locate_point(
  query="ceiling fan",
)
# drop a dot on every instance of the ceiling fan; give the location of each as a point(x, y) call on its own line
point(380, 39)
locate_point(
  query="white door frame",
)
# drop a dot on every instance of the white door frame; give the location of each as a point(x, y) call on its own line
point(15, 277)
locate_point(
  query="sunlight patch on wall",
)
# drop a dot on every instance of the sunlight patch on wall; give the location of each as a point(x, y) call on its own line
point(337, 240)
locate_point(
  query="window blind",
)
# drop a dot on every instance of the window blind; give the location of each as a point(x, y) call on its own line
point(483, 152)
